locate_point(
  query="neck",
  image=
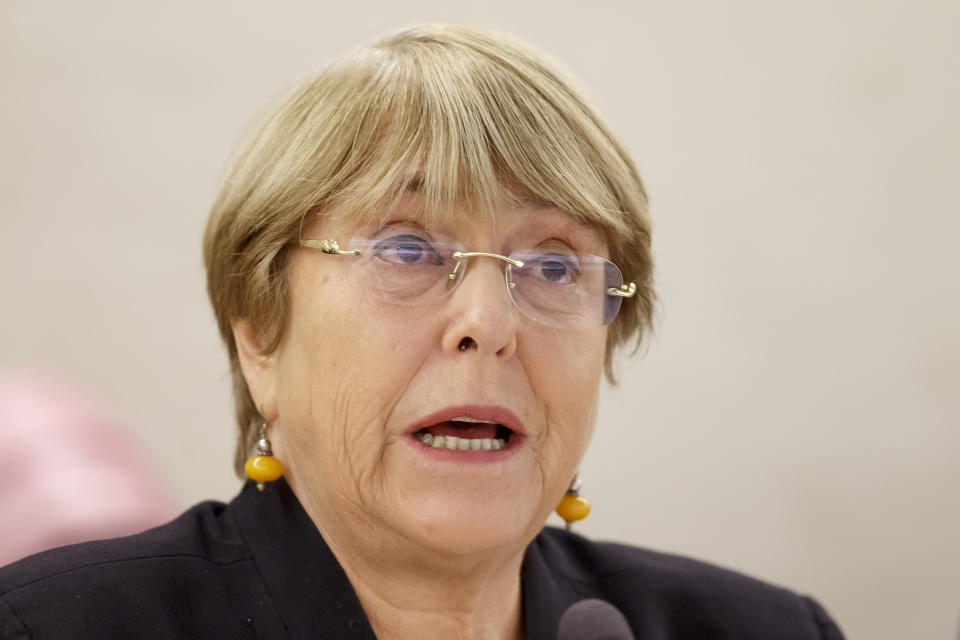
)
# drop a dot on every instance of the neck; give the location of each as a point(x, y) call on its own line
point(423, 602)
point(410, 592)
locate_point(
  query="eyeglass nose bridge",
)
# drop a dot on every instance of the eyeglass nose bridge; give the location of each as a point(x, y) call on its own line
point(462, 255)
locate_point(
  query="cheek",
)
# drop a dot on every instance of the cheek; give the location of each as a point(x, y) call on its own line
point(565, 376)
point(339, 381)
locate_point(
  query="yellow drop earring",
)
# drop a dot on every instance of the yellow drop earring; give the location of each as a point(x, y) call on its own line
point(262, 466)
point(572, 505)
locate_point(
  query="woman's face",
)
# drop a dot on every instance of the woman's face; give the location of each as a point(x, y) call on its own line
point(357, 381)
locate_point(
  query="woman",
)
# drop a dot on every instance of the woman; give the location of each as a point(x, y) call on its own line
point(416, 267)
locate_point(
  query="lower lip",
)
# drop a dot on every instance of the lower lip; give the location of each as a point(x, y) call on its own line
point(470, 456)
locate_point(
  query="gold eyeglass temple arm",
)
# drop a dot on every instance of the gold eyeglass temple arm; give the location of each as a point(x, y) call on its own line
point(625, 290)
point(328, 246)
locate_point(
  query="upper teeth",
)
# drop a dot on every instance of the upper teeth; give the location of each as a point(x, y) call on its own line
point(462, 444)
point(466, 419)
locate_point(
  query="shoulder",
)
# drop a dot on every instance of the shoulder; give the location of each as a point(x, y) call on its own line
point(200, 533)
point(690, 597)
point(74, 589)
point(581, 559)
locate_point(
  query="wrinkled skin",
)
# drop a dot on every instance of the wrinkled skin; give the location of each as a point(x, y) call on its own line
point(353, 373)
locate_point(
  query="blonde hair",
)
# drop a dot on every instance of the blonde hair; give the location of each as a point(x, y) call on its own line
point(470, 119)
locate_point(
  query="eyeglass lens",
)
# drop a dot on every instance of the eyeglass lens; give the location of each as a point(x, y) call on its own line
point(557, 287)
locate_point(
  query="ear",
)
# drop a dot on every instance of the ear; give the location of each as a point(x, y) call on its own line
point(258, 368)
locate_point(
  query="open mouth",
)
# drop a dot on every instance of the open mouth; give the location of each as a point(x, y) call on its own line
point(465, 434)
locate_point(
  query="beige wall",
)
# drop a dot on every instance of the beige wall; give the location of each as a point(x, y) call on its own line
point(796, 416)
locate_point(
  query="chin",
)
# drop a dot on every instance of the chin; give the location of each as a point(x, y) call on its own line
point(461, 525)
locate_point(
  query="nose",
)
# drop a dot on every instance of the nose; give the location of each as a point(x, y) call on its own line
point(482, 318)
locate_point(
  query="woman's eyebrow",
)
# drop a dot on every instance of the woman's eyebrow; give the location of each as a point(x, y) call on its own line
point(404, 221)
point(551, 223)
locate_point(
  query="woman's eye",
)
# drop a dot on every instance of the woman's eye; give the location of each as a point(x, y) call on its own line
point(557, 268)
point(407, 249)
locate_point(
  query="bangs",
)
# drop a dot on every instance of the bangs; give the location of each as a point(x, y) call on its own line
point(468, 131)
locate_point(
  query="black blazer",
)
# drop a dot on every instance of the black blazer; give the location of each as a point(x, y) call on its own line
point(258, 568)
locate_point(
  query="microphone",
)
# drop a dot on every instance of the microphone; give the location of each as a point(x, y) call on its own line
point(593, 619)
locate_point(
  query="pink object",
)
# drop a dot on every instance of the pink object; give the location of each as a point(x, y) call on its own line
point(69, 472)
